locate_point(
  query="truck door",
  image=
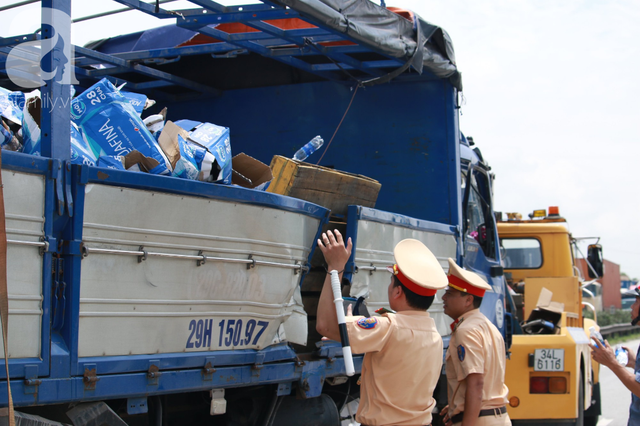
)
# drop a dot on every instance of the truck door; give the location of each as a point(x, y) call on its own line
point(480, 241)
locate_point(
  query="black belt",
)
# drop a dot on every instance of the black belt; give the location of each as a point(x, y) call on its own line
point(489, 412)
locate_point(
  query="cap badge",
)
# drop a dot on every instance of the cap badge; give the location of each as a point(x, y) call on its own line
point(367, 323)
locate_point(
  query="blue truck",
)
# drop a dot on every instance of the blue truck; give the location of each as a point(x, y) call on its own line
point(159, 300)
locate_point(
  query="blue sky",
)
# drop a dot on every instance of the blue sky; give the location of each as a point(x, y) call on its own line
point(550, 96)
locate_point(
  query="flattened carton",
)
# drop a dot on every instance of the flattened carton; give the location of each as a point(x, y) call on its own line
point(333, 189)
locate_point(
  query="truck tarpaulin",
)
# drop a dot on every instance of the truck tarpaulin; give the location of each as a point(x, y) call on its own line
point(385, 30)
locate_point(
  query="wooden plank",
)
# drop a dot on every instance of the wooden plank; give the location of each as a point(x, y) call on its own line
point(283, 172)
point(330, 188)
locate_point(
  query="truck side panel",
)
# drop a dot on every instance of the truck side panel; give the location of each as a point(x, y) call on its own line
point(29, 199)
point(24, 195)
point(376, 233)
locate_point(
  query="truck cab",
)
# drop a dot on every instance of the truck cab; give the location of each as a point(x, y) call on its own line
point(481, 252)
point(551, 350)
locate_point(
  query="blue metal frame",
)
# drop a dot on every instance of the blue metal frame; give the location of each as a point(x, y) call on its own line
point(56, 97)
point(309, 374)
point(151, 72)
point(300, 38)
point(368, 213)
point(12, 41)
point(306, 42)
point(153, 54)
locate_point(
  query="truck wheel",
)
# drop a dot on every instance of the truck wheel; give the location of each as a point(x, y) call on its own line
point(580, 419)
point(592, 414)
point(591, 421)
point(319, 411)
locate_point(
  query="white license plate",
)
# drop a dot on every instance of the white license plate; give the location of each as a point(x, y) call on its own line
point(548, 360)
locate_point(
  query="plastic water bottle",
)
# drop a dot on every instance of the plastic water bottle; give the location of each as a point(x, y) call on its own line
point(621, 355)
point(309, 148)
point(595, 335)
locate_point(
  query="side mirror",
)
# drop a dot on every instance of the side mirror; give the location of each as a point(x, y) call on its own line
point(595, 260)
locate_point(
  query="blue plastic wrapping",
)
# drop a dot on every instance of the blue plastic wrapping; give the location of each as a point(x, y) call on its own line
point(136, 100)
point(11, 104)
point(80, 150)
point(216, 140)
point(187, 166)
point(187, 124)
point(5, 137)
point(112, 127)
point(110, 162)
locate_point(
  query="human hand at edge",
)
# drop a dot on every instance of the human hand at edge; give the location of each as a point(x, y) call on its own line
point(332, 246)
point(603, 355)
point(445, 416)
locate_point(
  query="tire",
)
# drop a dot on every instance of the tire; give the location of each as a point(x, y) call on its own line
point(580, 419)
point(591, 421)
point(592, 415)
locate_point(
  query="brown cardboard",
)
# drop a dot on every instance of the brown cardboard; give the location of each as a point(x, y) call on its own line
point(545, 302)
point(144, 163)
point(249, 172)
point(34, 106)
point(168, 141)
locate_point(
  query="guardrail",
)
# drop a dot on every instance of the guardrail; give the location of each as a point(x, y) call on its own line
point(618, 330)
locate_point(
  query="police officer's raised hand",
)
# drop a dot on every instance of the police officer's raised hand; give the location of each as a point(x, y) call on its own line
point(335, 253)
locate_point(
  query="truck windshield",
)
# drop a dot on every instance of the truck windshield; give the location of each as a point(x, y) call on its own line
point(521, 253)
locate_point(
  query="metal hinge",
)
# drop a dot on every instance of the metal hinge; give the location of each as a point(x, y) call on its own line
point(153, 374)
point(61, 175)
point(90, 378)
point(58, 292)
point(31, 381)
point(208, 369)
point(255, 368)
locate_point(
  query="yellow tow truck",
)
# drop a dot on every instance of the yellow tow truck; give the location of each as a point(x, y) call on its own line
point(550, 374)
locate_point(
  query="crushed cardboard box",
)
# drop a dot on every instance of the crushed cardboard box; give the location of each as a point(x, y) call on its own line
point(168, 141)
point(249, 172)
point(546, 309)
point(545, 302)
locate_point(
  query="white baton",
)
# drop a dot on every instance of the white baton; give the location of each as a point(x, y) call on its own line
point(344, 337)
